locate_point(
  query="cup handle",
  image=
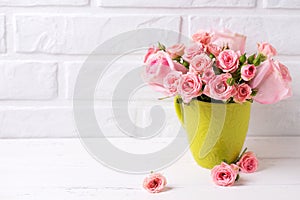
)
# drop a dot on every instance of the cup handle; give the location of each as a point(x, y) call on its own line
point(178, 109)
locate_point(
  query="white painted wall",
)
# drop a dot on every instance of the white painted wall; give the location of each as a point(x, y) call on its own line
point(43, 44)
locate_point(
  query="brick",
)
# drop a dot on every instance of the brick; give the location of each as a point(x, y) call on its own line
point(257, 29)
point(2, 35)
point(54, 121)
point(171, 126)
point(35, 121)
point(110, 80)
point(276, 119)
point(79, 34)
point(281, 4)
point(28, 80)
point(43, 2)
point(177, 3)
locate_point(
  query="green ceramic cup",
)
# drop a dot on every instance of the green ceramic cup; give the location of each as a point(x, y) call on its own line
point(216, 131)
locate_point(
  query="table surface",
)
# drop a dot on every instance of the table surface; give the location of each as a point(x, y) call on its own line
point(63, 169)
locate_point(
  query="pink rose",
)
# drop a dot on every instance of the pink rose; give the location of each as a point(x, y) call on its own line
point(202, 37)
point(218, 88)
point(248, 162)
point(199, 63)
point(176, 50)
point(284, 71)
point(208, 74)
point(243, 92)
point(272, 81)
point(214, 49)
point(235, 42)
point(248, 72)
point(151, 50)
point(158, 65)
point(171, 82)
point(266, 49)
point(224, 174)
point(228, 61)
point(192, 51)
point(154, 183)
point(189, 86)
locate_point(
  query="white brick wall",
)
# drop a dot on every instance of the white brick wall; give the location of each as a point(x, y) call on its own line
point(2, 34)
point(281, 4)
point(258, 29)
point(43, 44)
point(28, 80)
point(69, 34)
point(177, 4)
point(43, 2)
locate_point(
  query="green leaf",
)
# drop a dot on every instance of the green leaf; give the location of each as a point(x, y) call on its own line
point(242, 59)
point(185, 63)
point(161, 46)
point(237, 177)
point(250, 100)
point(262, 57)
point(178, 59)
point(211, 56)
point(203, 97)
point(259, 59)
point(179, 100)
point(254, 92)
point(230, 81)
point(217, 70)
point(251, 59)
point(256, 61)
point(230, 100)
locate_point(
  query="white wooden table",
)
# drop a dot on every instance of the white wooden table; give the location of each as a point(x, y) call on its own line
point(57, 169)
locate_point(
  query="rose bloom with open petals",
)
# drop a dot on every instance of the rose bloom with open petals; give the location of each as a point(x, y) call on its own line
point(151, 50)
point(192, 51)
point(202, 37)
point(218, 88)
point(208, 74)
point(228, 61)
point(248, 72)
point(158, 66)
point(154, 183)
point(272, 81)
point(214, 49)
point(199, 63)
point(243, 92)
point(189, 86)
point(224, 174)
point(171, 82)
point(176, 50)
point(248, 162)
point(266, 49)
point(235, 42)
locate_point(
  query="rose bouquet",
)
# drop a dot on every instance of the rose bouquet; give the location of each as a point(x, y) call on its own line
point(214, 83)
point(216, 68)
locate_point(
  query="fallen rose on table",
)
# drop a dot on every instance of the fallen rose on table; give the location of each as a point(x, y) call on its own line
point(227, 174)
